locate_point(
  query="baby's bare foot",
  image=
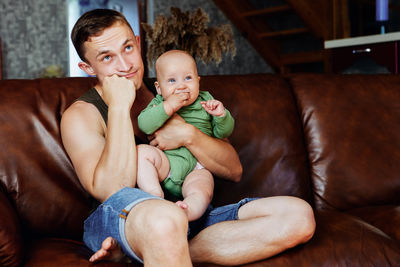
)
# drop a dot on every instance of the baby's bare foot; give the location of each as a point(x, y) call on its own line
point(110, 250)
point(182, 204)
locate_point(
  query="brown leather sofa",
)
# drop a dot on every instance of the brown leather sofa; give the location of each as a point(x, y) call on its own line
point(331, 140)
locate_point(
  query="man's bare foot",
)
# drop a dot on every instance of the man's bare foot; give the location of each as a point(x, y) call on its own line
point(110, 251)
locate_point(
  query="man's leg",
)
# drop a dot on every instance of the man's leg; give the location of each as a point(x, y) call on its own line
point(156, 230)
point(265, 228)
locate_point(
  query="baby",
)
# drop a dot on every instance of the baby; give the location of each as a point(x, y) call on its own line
point(178, 170)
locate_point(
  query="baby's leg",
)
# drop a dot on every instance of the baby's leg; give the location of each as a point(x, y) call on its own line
point(153, 167)
point(197, 191)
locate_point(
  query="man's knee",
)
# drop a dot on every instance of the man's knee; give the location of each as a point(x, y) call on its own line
point(157, 226)
point(168, 223)
point(159, 219)
point(301, 221)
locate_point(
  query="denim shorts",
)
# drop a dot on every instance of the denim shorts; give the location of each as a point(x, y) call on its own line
point(109, 219)
point(215, 215)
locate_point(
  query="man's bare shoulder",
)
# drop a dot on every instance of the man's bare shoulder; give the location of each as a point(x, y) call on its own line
point(81, 113)
point(80, 106)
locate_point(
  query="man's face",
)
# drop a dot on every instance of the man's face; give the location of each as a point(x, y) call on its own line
point(115, 51)
point(177, 71)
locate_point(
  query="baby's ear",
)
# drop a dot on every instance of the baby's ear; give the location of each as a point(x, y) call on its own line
point(157, 87)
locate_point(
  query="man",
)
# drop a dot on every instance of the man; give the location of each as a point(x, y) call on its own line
point(98, 132)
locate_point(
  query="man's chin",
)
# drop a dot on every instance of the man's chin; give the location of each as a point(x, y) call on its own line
point(137, 83)
point(137, 80)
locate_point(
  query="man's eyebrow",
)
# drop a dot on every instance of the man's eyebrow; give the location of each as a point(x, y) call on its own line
point(102, 53)
point(127, 41)
point(107, 51)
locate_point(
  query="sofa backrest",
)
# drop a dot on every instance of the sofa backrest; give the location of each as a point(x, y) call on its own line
point(351, 125)
point(41, 183)
point(267, 136)
point(34, 168)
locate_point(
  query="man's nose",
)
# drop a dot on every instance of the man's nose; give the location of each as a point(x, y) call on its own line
point(124, 64)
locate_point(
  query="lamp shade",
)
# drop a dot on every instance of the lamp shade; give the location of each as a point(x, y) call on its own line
point(382, 10)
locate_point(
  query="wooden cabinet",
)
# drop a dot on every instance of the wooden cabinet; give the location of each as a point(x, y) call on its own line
point(363, 52)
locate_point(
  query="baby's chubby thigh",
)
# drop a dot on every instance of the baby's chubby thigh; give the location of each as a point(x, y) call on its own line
point(156, 157)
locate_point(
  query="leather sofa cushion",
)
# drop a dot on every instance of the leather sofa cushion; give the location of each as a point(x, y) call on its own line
point(342, 240)
point(351, 126)
point(11, 244)
point(34, 168)
point(386, 218)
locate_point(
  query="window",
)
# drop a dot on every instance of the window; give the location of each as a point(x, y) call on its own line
point(130, 8)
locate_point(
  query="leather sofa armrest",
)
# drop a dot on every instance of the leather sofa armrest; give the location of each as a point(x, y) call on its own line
point(11, 245)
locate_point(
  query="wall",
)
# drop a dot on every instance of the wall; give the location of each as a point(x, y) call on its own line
point(34, 36)
point(247, 60)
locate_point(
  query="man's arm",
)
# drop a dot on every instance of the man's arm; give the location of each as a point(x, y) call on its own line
point(103, 157)
point(216, 155)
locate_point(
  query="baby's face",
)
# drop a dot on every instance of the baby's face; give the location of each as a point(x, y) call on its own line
point(177, 71)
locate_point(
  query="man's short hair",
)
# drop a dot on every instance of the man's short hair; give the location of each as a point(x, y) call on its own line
point(93, 23)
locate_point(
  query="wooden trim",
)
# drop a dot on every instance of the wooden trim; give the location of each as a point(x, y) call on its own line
point(340, 23)
point(142, 7)
point(1, 63)
point(283, 33)
point(266, 11)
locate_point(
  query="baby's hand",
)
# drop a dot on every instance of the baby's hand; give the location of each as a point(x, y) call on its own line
point(175, 101)
point(214, 107)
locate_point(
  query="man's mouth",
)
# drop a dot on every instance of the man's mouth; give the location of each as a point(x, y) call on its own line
point(129, 75)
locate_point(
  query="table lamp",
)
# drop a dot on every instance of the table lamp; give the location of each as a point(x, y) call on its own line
point(382, 13)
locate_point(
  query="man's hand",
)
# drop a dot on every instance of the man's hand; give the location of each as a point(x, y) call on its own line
point(118, 91)
point(214, 107)
point(176, 100)
point(173, 134)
